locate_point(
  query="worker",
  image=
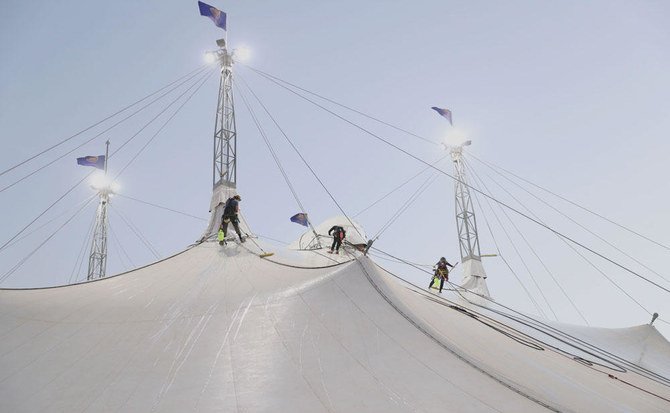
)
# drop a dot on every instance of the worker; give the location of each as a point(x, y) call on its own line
point(230, 212)
point(338, 236)
point(441, 273)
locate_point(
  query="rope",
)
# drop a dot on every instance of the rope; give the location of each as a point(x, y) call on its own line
point(398, 187)
point(137, 232)
point(491, 165)
point(481, 182)
point(272, 151)
point(343, 106)
point(123, 250)
point(598, 269)
point(500, 254)
point(2, 248)
point(93, 138)
point(203, 81)
point(160, 207)
point(419, 191)
point(305, 162)
point(24, 259)
point(80, 257)
point(518, 253)
point(576, 223)
point(536, 324)
point(99, 122)
point(591, 250)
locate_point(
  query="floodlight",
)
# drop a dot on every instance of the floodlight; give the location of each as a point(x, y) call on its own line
point(99, 181)
point(242, 54)
point(210, 57)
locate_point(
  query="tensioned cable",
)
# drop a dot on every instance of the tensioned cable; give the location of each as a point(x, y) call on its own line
point(29, 233)
point(76, 269)
point(121, 248)
point(175, 100)
point(617, 286)
point(100, 121)
point(90, 173)
point(518, 253)
point(304, 160)
point(575, 222)
point(95, 136)
point(419, 191)
point(2, 248)
point(491, 165)
point(536, 324)
point(24, 259)
point(591, 250)
point(204, 80)
point(528, 244)
point(272, 151)
point(500, 254)
point(160, 207)
point(342, 105)
point(398, 187)
point(137, 232)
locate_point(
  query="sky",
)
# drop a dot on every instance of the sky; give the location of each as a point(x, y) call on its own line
point(572, 96)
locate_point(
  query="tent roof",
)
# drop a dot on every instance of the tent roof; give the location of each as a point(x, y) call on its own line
point(220, 329)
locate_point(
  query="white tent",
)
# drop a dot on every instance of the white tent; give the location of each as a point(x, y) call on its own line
point(220, 329)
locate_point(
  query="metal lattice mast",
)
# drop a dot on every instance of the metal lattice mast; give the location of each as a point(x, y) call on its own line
point(466, 222)
point(97, 260)
point(474, 275)
point(225, 134)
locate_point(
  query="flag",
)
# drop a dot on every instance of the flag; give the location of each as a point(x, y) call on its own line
point(97, 161)
point(217, 16)
point(444, 112)
point(300, 218)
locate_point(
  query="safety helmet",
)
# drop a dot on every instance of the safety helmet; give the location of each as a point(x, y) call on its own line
point(239, 198)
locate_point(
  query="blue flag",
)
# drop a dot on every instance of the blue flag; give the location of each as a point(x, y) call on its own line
point(444, 112)
point(97, 161)
point(300, 218)
point(217, 16)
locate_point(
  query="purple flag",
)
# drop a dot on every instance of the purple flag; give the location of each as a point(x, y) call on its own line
point(300, 218)
point(96, 161)
point(217, 16)
point(444, 112)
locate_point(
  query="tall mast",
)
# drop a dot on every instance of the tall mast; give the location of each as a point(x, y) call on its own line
point(225, 134)
point(224, 171)
point(97, 260)
point(474, 276)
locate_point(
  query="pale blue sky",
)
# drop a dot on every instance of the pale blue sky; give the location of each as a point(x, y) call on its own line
point(572, 95)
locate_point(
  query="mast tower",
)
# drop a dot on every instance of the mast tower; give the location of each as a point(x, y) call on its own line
point(225, 133)
point(97, 260)
point(474, 276)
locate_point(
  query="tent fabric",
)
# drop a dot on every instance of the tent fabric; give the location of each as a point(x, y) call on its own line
point(220, 329)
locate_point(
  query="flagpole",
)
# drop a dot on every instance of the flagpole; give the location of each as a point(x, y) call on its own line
point(106, 156)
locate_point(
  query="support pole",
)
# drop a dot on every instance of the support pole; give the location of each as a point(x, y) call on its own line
point(97, 260)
